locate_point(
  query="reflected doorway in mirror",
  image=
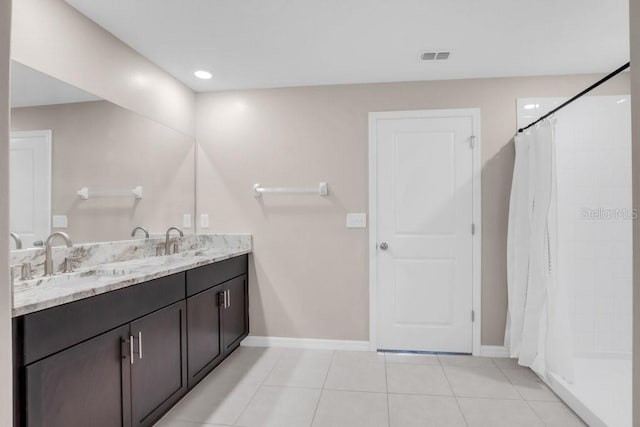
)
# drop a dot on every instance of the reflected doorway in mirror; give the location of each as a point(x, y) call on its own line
point(30, 188)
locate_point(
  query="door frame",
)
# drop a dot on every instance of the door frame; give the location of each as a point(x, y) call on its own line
point(47, 134)
point(374, 117)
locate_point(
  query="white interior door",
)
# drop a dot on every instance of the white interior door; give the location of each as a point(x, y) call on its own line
point(424, 207)
point(30, 185)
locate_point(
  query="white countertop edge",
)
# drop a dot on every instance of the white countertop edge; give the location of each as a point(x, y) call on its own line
point(120, 282)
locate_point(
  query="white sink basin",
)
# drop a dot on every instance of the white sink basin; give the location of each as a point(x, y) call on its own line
point(126, 268)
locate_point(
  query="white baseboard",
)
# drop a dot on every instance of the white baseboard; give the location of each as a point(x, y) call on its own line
point(307, 343)
point(494, 351)
point(320, 344)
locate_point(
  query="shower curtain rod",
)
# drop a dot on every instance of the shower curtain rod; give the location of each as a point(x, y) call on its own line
point(584, 92)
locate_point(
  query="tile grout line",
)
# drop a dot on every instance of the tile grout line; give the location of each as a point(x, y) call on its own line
point(244, 409)
point(521, 395)
point(313, 418)
point(455, 396)
point(537, 378)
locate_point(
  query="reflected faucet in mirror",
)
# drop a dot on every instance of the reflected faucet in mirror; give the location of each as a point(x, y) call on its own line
point(48, 263)
point(144, 230)
point(17, 239)
point(167, 243)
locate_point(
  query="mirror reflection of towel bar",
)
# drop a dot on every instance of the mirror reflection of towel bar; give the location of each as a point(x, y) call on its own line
point(321, 190)
point(136, 192)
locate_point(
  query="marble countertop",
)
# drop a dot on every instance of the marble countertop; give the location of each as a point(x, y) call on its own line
point(46, 292)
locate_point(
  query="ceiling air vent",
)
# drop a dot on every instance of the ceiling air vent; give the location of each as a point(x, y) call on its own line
point(429, 56)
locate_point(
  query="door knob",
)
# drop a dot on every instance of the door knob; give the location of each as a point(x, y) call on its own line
point(384, 246)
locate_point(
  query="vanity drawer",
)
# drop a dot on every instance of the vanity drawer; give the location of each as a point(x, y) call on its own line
point(203, 278)
point(49, 331)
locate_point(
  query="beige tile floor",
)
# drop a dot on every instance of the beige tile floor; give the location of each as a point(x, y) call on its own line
point(264, 387)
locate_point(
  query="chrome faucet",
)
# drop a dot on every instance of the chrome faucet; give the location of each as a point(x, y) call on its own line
point(167, 243)
point(144, 230)
point(48, 263)
point(17, 239)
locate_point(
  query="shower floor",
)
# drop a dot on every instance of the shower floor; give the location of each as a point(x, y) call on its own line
point(601, 392)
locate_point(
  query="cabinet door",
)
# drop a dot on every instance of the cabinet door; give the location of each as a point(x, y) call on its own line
point(203, 333)
point(159, 369)
point(87, 383)
point(235, 320)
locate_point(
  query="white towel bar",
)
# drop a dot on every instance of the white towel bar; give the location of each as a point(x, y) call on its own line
point(136, 192)
point(321, 190)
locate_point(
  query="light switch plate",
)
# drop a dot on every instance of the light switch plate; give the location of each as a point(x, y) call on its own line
point(59, 221)
point(356, 220)
point(204, 220)
point(186, 221)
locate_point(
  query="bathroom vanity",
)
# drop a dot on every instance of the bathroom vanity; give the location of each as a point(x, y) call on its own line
point(113, 331)
point(153, 329)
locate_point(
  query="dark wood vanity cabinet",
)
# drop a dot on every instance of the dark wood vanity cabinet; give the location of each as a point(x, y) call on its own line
point(117, 359)
point(125, 357)
point(235, 320)
point(89, 381)
point(218, 315)
point(204, 343)
point(159, 368)
point(126, 377)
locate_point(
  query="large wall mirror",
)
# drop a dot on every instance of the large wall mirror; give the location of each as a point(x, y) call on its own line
point(90, 168)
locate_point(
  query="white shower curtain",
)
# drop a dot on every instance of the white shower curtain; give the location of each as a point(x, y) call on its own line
point(538, 329)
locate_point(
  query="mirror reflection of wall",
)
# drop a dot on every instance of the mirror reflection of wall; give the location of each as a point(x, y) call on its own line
point(64, 139)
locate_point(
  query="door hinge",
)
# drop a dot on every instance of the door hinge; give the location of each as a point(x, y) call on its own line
point(473, 229)
point(472, 141)
point(473, 316)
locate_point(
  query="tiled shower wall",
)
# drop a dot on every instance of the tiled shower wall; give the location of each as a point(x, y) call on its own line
point(593, 146)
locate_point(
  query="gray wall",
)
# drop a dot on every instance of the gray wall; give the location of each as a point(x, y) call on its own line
point(311, 273)
point(5, 287)
point(52, 37)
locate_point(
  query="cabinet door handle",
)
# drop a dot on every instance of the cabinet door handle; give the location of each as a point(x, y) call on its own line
point(223, 294)
point(131, 348)
point(229, 298)
point(140, 345)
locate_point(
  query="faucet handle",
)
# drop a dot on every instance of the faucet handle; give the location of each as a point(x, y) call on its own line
point(159, 250)
point(68, 264)
point(176, 247)
point(26, 271)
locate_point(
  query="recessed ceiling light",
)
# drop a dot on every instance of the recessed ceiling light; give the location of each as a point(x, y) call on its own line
point(202, 74)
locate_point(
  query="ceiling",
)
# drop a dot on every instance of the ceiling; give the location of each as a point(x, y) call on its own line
point(30, 88)
point(276, 43)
